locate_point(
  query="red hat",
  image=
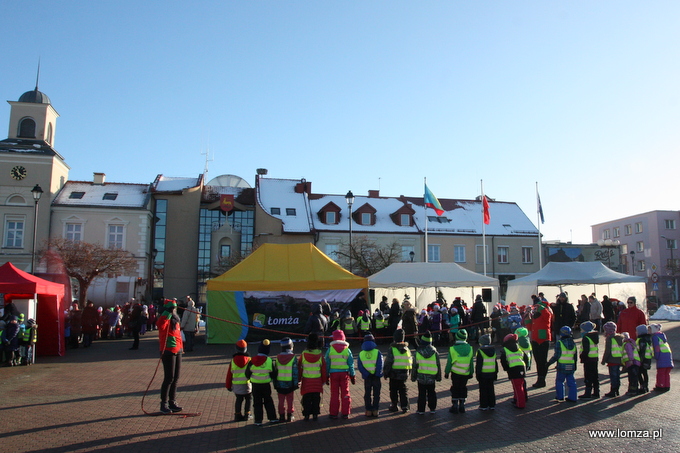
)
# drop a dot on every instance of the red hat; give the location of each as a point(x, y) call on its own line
point(338, 335)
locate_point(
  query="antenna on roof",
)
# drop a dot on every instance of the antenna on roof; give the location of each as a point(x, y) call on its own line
point(207, 159)
point(37, 77)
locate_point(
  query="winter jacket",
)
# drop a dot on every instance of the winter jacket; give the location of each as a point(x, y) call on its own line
point(169, 333)
point(461, 348)
point(515, 372)
point(631, 356)
point(594, 338)
point(312, 384)
point(240, 360)
point(541, 323)
point(629, 319)
point(388, 370)
point(487, 351)
point(607, 357)
point(663, 359)
point(286, 386)
point(370, 350)
point(426, 351)
point(567, 364)
point(339, 346)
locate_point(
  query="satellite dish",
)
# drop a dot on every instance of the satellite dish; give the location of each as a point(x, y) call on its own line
point(229, 181)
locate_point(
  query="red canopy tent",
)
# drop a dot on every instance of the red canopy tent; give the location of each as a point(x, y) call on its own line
point(17, 284)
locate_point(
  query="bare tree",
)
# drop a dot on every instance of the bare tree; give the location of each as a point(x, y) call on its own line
point(85, 262)
point(368, 257)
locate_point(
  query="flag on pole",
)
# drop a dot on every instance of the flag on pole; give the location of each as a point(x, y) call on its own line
point(540, 207)
point(487, 216)
point(432, 202)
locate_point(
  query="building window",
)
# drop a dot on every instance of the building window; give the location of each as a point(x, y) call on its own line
point(670, 224)
point(503, 253)
point(14, 232)
point(331, 217)
point(628, 230)
point(366, 218)
point(290, 211)
point(482, 254)
point(641, 267)
point(527, 255)
point(624, 249)
point(332, 251)
point(74, 232)
point(27, 128)
point(406, 251)
point(459, 253)
point(638, 227)
point(433, 253)
point(605, 234)
point(671, 244)
point(617, 232)
point(640, 246)
point(110, 196)
point(405, 220)
point(48, 137)
point(115, 236)
point(276, 211)
point(225, 252)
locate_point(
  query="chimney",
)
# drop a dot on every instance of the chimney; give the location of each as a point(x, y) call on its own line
point(373, 194)
point(99, 179)
point(303, 187)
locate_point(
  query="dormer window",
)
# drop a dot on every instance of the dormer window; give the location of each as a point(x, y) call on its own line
point(403, 216)
point(365, 215)
point(331, 218)
point(110, 196)
point(405, 220)
point(366, 218)
point(329, 214)
point(76, 195)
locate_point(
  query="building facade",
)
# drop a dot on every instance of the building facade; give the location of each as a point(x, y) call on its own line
point(648, 245)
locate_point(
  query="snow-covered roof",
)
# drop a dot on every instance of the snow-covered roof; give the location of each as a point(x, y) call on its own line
point(110, 195)
point(174, 184)
point(298, 212)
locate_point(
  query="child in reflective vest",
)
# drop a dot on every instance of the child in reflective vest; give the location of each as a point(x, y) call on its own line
point(646, 351)
point(261, 372)
point(397, 369)
point(31, 338)
point(513, 362)
point(427, 371)
point(459, 365)
point(238, 383)
point(364, 323)
point(589, 358)
point(286, 380)
point(371, 368)
point(631, 362)
point(486, 368)
point(312, 372)
point(565, 356)
point(340, 368)
point(663, 357)
point(613, 352)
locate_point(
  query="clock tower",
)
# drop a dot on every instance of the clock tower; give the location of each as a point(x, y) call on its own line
point(28, 159)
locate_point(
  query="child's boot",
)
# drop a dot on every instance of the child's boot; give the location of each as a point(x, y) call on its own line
point(282, 417)
point(238, 417)
point(454, 406)
point(461, 408)
point(289, 417)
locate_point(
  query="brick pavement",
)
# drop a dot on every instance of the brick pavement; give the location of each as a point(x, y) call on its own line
point(91, 400)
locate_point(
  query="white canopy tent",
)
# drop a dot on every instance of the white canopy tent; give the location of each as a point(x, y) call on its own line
point(576, 278)
point(421, 281)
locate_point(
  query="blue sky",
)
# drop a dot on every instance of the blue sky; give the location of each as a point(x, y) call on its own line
point(581, 97)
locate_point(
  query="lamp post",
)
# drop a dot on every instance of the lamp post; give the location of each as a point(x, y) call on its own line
point(350, 200)
point(412, 255)
point(632, 262)
point(671, 268)
point(37, 193)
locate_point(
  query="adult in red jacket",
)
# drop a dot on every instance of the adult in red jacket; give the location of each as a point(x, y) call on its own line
point(540, 325)
point(630, 318)
point(170, 339)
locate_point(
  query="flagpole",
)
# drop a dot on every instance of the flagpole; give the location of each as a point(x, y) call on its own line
point(538, 222)
point(425, 210)
point(483, 228)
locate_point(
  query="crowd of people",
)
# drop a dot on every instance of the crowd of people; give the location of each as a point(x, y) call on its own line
point(18, 337)
point(623, 342)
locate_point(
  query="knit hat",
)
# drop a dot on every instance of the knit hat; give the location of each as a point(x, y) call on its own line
point(21, 318)
point(399, 336)
point(654, 328)
point(427, 337)
point(609, 328)
point(369, 337)
point(338, 335)
point(485, 340)
point(170, 304)
point(521, 332)
point(587, 327)
point(565, 331)
point(641, 330)
point(510, 337)
point(241, 346)
point(625, 335)
point(312, 341)
point(286, 344)
point(264, 347)
point(30, 322)
point(461, 335)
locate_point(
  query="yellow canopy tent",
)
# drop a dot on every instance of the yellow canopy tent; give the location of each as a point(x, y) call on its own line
point(279, 274)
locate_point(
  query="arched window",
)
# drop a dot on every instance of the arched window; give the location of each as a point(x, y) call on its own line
point(16, 200)
point(48, 137)
point(27, 128)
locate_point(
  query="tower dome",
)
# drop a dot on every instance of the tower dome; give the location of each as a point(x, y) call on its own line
point(35, 97)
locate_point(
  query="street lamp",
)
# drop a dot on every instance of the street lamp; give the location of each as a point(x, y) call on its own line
point(412, 254)
point(632, 262)
point(670, 245)
point(350, 200)
point(37, 193)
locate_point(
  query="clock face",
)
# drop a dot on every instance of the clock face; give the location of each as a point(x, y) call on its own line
point(18, 172)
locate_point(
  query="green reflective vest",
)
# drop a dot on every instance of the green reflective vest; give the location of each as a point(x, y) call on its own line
point(339, 359)
point(488, 363)
point(402, 361)
point(460, 364)
point(593, 350)
point(369, 359)
point(568, 355)
point(284, 372)
point(261, 373)
point(238, 374)
point(514, 358)
point(311, 369)
point(426, 365)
